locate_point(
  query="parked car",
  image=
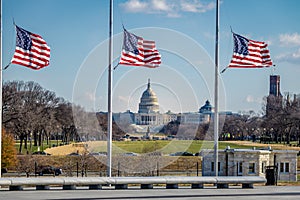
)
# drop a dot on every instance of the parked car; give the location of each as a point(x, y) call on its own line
point(48, 170)
point(154, 153)
point(74, 154)
point(197, 154)
point(130, 154)
point(180, 153)
point(41, 153)
point(3, 171)
point(98, 154)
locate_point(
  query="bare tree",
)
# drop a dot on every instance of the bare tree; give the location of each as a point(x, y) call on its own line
point(282, 122)
point(30, 112)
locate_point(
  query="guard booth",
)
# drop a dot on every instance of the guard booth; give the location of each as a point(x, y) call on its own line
point(271, 175)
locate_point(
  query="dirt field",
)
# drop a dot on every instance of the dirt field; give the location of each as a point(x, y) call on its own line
point(77, 148)
point(273, 146)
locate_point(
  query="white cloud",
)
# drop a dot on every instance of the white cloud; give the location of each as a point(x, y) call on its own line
point(289, 57)
point(90, 96)
point(188, 7)
point(124, 99)
point(196, 6)
point(169, 8)
point(289, 39)
point(252, 99)
point(161, 5)
point(135, 6)
point(249, 98)
point(292, 43)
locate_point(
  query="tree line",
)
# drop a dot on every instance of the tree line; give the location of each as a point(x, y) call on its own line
point(35, 115)
point(278, 123)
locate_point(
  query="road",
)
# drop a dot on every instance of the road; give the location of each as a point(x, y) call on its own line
point(259, 192)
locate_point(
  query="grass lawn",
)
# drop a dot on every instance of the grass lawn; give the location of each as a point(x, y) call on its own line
point(35, 148)
point(168, 147)
point(164, 146)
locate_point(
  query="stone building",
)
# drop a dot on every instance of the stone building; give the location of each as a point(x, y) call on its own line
point(250, 162)
point(274, 99)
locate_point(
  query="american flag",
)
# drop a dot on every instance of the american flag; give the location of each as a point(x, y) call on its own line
point(249, 53)
point(31, 50)
point(139, 52)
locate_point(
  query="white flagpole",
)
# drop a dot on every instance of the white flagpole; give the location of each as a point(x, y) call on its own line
point(216, 115)
point(109, 117)
point(0, 86)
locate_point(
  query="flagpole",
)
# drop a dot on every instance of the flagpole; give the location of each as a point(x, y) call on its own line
point(109, 117)
point(0, 86)
point(216, 113)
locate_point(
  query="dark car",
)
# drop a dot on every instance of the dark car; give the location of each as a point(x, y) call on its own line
point(74, 154)
point(41, 153)
point(48, 170)
point(181, 154)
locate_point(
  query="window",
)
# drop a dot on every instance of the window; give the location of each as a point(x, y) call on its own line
point(281, 167)
point(263, 165)
point(212, 166)
point(240, 168)
point(251, 168)
point(287, 167)
point(284, 167)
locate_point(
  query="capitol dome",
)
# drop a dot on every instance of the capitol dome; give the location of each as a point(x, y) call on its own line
point(207, 108)
point(149, 102)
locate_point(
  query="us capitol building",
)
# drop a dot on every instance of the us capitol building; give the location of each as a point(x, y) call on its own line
point(148, 113)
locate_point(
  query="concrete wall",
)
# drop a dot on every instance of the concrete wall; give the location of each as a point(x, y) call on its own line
point(283, 157)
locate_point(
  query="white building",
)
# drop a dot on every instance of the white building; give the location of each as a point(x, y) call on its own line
point(251, 162)
point(148, 113)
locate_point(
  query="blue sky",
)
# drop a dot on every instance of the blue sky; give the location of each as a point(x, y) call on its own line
point(77, 32)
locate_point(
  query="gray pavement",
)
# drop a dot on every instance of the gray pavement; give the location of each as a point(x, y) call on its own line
point(259, 192)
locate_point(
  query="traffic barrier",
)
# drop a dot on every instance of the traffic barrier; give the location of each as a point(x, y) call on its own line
point(171, 182)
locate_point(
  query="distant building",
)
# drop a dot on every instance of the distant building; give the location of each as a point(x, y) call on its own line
point(148, 113)
point(149, 102)
point(251, 162)
point(296, 100)
point(274, 99)
point(275, 85)
point(207, 108)
point(124, 118)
